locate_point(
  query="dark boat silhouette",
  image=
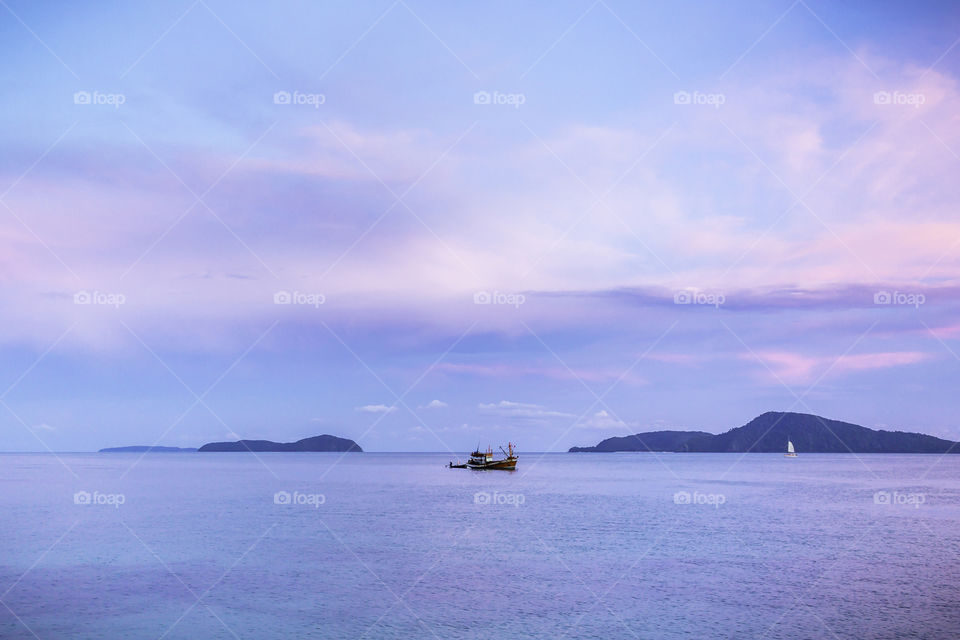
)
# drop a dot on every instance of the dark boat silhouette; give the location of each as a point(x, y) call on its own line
point(482, 460)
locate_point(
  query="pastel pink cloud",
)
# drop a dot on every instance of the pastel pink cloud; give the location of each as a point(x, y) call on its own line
point(797, 368)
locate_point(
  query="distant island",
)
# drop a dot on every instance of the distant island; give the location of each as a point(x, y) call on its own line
point(769, 432)
point(316, 443)
point(146, 449)
point(650, 441)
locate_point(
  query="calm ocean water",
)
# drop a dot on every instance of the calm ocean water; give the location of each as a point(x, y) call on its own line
point(396, 546)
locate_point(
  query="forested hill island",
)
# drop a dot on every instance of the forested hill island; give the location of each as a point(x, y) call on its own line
point(316, 443)
point(768, 433)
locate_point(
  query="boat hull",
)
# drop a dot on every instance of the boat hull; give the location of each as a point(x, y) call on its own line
point(510, 464)
point(789, 455)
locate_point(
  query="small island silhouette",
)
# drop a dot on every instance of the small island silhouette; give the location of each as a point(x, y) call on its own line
point(316, 443)
point(322, 443)
point(147, 449)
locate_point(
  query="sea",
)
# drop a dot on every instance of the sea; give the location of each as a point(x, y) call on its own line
point(396, 545)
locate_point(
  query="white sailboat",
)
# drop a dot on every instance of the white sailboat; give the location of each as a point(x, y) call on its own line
point(790, 451)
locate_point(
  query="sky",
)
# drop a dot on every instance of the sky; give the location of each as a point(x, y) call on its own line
point(421, 225)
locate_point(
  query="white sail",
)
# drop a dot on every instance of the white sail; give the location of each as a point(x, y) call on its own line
point(790, 447)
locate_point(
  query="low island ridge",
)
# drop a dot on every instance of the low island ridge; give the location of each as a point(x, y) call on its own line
point(769, 432)
point(143, 448)
point(322, 443)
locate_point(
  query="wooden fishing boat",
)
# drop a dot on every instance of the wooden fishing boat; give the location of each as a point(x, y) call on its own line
point(482, 460)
